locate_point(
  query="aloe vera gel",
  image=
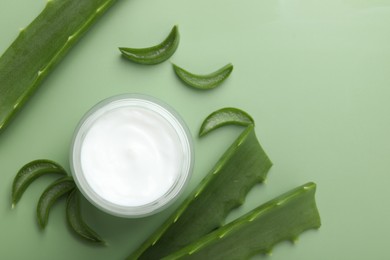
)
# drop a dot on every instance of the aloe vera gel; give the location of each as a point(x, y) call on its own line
point(131, 155)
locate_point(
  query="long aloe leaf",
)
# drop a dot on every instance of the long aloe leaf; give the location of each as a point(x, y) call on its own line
point(283, 218)
point(40, 46)
point(242, 166)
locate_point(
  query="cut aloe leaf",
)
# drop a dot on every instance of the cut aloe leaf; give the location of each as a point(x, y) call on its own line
point(155, 54)
point(225, 116)
point(283, 218)
point(50, 195)
point(204, 82)
point(30, 172)
point(40, 46)
point(75, 220)
point(225, 187)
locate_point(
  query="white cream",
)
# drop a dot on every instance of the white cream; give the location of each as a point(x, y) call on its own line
point(131, 156)
point(131, 153)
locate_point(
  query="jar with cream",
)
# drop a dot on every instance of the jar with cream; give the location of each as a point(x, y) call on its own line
point(131, 155)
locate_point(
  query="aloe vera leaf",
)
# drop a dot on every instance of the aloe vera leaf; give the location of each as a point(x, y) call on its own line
point(40, 46)
point(242, 166)
point(50, 195)
point(283, 218)
point(225, 116)
point(75, 220)
point(29, 173)
point(204, 82)
point(155, 54)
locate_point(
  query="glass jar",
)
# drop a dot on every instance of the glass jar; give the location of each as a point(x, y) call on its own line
point(131, 155)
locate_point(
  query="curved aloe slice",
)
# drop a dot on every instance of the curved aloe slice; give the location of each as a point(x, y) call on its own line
point(50, 195)
point(29, 173)
point(282, 218)
point(75, 220)
point(208, 81)
point(155, 54)
point(225, 116)
point(242, 166)
point(40, 46)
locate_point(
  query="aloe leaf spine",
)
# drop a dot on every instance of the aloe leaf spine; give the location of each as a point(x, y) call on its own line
point(40, 46)
point(224, 188)
point(283, 218)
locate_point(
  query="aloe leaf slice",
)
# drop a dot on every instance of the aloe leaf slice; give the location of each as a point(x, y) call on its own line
point(50, 196)
point(242, 166)
point(75, 220)
point(208, 81)
point(283, 218)
point(40, 46)
point(29, 173)
point(225, 116)
point(155, 54)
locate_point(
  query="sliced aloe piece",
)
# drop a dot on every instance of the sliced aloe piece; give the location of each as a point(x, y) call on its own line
point(40, 46)
point(225, 116)
point(50, 196)
point(242, 166)
point(283, 218)
point(208, 81)
point(155, 54)
point(29, 173)
point(75, 220)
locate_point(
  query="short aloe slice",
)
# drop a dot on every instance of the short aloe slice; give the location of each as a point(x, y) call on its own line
point(75, 220)
point(225, 116)
point(224, 188)
point(283, 218)
point(155, 54)
point(204, 82)
point(29, 173)
point(50, 195)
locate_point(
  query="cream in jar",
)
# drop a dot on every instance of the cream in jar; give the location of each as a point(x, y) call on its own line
point(131, 155)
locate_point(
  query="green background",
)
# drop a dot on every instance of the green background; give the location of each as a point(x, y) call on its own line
point(313, 74)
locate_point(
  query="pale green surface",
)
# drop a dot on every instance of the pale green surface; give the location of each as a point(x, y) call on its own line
point(313, 74)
